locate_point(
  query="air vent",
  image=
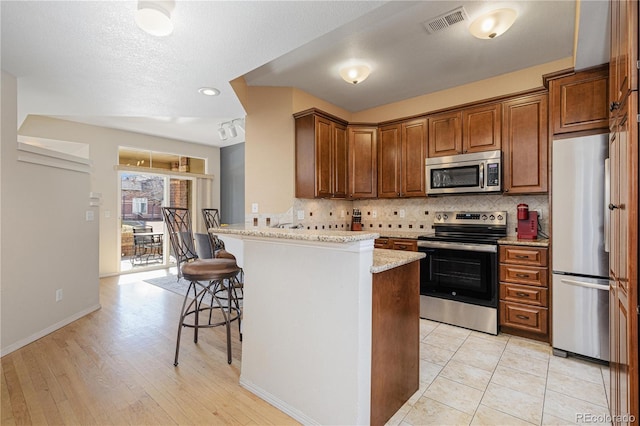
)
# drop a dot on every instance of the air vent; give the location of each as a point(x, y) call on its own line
point(446, 20)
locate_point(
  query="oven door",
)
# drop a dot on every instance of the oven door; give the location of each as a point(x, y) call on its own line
point(460, 271)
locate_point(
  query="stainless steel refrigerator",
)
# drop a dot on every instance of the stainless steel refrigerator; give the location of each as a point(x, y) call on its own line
point(580, 188)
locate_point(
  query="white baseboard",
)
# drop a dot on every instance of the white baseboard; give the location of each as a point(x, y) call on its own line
point(278, 403)
point(48, 330)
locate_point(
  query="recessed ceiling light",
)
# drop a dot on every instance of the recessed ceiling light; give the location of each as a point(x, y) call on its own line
point(209, 91)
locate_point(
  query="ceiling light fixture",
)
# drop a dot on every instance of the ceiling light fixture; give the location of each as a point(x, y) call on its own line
point(355, 74)
point(208, 91)
point(154, 17)
point(492, 24)
point(222, 133)
point(229, 129)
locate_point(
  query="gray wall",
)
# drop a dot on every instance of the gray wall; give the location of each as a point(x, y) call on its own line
point(232, 184)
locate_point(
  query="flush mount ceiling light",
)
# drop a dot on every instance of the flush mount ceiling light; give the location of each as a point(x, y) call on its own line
point(492, 24)
point(355, 74)
point(154, 17)
point(208, 91)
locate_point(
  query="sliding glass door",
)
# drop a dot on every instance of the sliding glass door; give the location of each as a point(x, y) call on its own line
point(143, 243)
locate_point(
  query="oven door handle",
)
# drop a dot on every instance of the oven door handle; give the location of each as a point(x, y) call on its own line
point(488, 248)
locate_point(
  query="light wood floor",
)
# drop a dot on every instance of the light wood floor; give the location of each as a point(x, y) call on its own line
point(115, 367)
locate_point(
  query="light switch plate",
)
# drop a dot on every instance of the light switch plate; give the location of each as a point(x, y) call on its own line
point(254, 208)
point(401, 212)
point(89, 215)
point(300, 214)
point(374, 214)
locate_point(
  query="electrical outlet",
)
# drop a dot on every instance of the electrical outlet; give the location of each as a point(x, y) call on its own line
point(343, 213)
point(89, 215)
point(374, 214)
point(254, 208)
point(300, 214)
point(58, 295)
point(401, 212)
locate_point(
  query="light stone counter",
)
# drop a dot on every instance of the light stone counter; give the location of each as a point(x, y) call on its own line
point(296, 234)
point(541, 242)
point(383, 259)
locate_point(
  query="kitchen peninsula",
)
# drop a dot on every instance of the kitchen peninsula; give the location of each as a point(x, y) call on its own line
point(330, 324)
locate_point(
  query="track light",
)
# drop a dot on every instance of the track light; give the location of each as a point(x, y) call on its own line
point(222, 133)
point(232, 130)
point(229, 129)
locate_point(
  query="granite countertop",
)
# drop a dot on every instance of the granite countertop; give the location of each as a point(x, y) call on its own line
point(405, 233)
point(296, 234)
point(384, 259)
point(512, 240)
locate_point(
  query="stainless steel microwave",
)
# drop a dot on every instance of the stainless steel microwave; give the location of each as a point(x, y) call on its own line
point(465, 173)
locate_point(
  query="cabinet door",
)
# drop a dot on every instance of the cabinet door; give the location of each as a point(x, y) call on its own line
point(414, 153)
point(525, 144)
point(339, 177)
point(579, 102)
point(323, 157)
point(445, 134)
point(614, 52)
point(481, 128)
point(363, 162)
point(389, 151)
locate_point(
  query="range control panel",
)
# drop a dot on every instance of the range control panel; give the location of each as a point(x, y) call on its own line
point(470, 218)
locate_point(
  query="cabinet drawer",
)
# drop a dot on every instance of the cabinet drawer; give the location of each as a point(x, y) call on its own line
point(524, 275)
point(524, 294)
point(524, 317)
point(406, 245)
point(523, 255)
point(382, 243)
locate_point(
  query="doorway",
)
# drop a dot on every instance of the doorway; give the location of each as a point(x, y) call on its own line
point(143, 243)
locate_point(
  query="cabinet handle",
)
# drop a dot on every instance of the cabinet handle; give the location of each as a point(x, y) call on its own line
point(522, 275)
point(522, 295)
point(401, 247)
point(522, 317)
point(614, 106)
point(521, 256)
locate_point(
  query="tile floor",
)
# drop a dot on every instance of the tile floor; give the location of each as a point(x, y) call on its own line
point(472, 378)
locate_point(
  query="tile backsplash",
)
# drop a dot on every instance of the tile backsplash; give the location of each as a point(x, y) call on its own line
point(411, 214)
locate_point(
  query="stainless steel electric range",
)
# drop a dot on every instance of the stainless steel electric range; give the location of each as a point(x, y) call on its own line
point(459, 275)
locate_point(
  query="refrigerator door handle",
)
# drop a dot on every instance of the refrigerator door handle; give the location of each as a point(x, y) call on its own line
point(585, 284)
point(607, 200)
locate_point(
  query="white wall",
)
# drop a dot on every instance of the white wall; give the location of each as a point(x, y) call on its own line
point(103, 151)
point(46, 242)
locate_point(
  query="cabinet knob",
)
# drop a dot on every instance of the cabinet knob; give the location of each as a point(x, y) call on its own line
point(614, 106)
point(613, 207)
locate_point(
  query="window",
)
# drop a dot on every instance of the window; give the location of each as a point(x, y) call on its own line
point(139, 206)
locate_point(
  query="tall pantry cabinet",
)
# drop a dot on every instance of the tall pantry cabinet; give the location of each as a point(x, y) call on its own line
point(623, 259)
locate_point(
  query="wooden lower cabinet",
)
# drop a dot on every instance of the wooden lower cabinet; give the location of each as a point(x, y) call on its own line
point(524, 291)
point(405, 244)
point(395, 340)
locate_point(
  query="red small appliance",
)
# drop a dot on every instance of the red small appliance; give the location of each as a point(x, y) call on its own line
point(527, 223)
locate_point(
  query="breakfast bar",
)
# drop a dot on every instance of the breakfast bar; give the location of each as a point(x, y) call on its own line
point(330, 324)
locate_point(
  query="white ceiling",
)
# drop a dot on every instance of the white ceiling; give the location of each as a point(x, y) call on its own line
point(87, 61)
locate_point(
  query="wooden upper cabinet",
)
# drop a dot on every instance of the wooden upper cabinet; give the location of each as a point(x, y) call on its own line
point(525, 144)
point(414, 153)
point(363, 162)
point(321, 155)
point(481, 128)
point(623, 52)
point(389, 153)
point(445, 134)
point(402, 149)
point(579, 101)
point(472, 129)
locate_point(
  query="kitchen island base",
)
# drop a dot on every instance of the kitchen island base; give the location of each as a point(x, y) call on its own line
point(327, 337)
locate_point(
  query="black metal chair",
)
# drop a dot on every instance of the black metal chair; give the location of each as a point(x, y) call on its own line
point(209, 280)
point(212, 220)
